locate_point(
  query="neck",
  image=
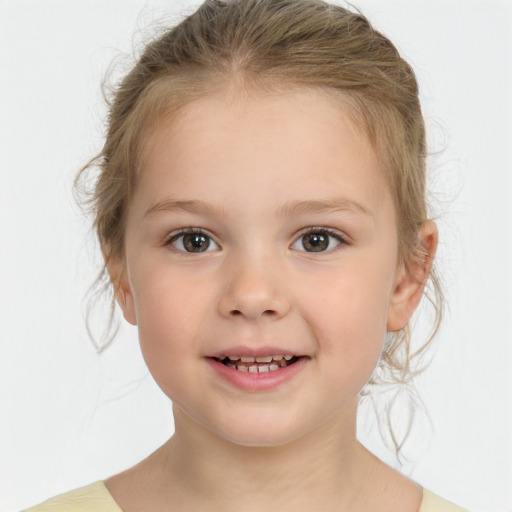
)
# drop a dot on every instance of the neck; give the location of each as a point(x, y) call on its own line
point(328, 462)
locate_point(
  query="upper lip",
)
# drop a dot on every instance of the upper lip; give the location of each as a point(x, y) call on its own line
point(244, 351)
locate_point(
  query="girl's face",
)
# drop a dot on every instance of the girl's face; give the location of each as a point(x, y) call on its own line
point(262, 228)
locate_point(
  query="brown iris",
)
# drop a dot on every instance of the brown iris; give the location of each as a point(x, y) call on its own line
point(195, 242)
point(315, 242)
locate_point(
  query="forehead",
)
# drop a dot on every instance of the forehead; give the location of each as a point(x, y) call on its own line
point(279, 147)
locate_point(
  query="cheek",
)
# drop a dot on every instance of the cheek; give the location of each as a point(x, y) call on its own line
point(169, 310)
point(167, 301)
point(348, 317)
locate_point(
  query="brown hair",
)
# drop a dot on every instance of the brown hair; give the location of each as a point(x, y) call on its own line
point(275, 46)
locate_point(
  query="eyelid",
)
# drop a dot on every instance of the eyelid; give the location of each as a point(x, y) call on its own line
point(338, 235)
point(175, 235)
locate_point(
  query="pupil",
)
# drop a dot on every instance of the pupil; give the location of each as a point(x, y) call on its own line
point(196, 243)
point(315, 242)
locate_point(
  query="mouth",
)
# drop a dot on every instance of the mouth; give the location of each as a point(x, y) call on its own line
point(262, 364)
point(257, 370)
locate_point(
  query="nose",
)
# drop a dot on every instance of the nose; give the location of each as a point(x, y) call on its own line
point(253, 292)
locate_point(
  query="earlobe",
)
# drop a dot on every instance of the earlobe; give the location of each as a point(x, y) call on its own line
point(122, 289)
point(412, 278)
point(124, 298)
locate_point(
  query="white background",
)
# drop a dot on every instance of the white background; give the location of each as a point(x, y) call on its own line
point(69, 416)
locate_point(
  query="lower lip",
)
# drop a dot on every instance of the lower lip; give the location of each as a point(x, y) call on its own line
point(265, 381)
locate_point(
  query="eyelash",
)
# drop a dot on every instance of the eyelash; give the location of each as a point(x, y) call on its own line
point(323, 231)
point(188, 231)
point(319, 230)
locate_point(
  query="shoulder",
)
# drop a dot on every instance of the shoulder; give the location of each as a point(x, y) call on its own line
point(91, 498)
point(433, 503)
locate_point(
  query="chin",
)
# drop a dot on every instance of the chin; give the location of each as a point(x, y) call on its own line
point(258, 431)
point(259, 440)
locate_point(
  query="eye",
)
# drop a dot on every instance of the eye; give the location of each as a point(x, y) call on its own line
point(318, 240)
point(192, 240)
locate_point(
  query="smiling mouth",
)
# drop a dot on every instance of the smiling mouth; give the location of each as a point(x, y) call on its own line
point(258, 364)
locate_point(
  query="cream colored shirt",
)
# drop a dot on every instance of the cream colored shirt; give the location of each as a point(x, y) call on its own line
point(96, 498)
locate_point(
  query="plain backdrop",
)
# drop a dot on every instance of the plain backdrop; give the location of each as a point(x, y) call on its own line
point(69, 416)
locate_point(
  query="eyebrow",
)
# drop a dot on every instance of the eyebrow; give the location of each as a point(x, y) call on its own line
point(290, 209)
point(294, 208)
point(190, 206)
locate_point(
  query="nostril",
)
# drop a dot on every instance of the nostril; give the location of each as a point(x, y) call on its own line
point(267, 312)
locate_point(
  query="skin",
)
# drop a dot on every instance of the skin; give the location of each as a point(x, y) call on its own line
point(248, 166)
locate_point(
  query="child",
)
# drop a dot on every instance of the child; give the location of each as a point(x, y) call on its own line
point(261, 210)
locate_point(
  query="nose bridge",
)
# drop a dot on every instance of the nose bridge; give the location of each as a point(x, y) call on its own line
point(253, 287)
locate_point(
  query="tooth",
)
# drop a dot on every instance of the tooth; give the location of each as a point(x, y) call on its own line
point(288, 357)
point(265, 359)
point(230, 365)
point(234, 358)
point(247, 359)
point(242, 368)
point(253, 369)
point(277, 358)
point(282, 362)
point(273, 367)
point(264, 368)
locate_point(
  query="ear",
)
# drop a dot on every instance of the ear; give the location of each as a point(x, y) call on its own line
point(411, 279)
point(122, 290)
